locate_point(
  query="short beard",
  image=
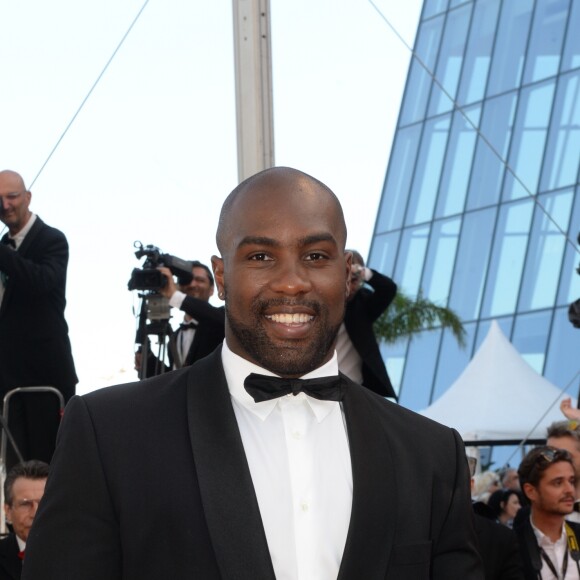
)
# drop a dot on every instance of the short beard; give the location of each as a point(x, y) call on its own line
point(294, 358)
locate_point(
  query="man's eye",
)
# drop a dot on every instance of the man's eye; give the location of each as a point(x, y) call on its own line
point(315, 256)
point(260, 257)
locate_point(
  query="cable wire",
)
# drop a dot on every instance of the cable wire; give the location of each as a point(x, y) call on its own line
point(89, 93)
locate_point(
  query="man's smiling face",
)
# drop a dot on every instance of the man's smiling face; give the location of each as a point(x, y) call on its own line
point(284, 273)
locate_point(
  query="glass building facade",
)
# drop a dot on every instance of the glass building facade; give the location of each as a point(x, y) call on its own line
point(453, 221)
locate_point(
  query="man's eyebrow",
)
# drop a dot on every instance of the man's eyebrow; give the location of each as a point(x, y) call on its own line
point(272, 243)
point(258, 241)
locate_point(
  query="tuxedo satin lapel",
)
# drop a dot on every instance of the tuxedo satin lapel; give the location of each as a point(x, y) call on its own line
point(228, 496)
point(373, 518)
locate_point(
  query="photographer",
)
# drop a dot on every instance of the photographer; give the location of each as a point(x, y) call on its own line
point(202, 329)
point(359, 357)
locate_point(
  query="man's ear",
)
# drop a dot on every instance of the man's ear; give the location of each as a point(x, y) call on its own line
point(348, 264)
point(530, 491)
point(218, 273)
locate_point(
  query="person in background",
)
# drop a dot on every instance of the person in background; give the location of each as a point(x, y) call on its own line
point(548, 544)
point(566, 435)
point(497, 544)
point(359, 357)
point(23, 489)
point(35, 349)
point(202, 329)
point(505, 504)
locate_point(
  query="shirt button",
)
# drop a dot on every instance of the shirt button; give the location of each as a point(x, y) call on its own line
point(304, 506)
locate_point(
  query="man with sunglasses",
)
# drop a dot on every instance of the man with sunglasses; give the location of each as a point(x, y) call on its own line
point(35, 348)
point(548, 544)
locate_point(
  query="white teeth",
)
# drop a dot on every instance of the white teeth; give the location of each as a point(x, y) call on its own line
point(298, 318)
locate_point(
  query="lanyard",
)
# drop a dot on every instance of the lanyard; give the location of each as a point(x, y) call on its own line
point(551, 565)
point(571, 545)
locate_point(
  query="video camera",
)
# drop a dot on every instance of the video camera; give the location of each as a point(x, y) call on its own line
point(149, 277)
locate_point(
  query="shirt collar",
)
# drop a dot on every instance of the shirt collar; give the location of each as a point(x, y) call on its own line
point(544, 540)
point(237, 369)
point(19, 237)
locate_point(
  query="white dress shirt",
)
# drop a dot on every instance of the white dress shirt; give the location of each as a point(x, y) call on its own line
point(556, 552)
point(299, 458)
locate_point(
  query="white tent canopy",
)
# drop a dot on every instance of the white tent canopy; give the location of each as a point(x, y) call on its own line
point(498, 396)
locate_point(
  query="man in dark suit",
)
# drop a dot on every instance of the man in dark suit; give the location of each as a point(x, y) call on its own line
point(203, 326)
point(220, 471)
point(549, 545)
point(34, 344)
point(23, 489)
point(359, 356)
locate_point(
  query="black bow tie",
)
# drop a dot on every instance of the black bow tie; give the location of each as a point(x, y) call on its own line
point(7, 241)
point(188, 325)
point(265, 388)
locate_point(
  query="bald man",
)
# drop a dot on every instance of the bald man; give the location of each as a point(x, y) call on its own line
point(259, 461)
point(34, 344)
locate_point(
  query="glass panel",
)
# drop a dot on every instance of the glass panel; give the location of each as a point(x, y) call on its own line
point(419, 370)
point(419, 82)
point(457, 169)
point(543, 58)
point(571, 57)
point(450, 59)
point(471, 266)
point(440, 259)
point(544, 260)
point(399, 174)
point(510, 46)
point(383, 252)
point(509, 249)
point(560, 167)
point(505, 323)
point(562, 356)
point(478, 54)
point(410, 259)
point(394, 357)
point(569, 290)
point(488, 169)
point(434, 7)
point(530, 337)
point(453, 359)
point(428, 171)
point(527, 149)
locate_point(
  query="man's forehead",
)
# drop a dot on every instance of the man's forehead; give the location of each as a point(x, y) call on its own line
point(11, 182)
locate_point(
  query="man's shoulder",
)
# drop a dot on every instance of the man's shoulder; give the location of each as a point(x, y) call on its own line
point(8, 544)
point(41, 230)
point(397, 415)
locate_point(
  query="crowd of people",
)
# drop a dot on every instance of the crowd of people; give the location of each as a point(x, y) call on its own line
point(265, 446)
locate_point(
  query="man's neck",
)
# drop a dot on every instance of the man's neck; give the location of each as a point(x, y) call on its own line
point(549, 524)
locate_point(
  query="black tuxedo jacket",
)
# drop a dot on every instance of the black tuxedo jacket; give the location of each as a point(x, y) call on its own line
point(499, 551)
point(10, 563)
point(34, 344)
point(361, 312)
point(150, 481)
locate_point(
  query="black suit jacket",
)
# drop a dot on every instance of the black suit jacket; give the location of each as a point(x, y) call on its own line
point(208, 335)
point(34, 344)
point(499, 551)
point(150, 480)
point(10, 563)
point(528, 543)
point(361, 312)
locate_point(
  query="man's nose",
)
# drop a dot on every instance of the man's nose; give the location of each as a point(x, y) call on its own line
point(291, 278)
